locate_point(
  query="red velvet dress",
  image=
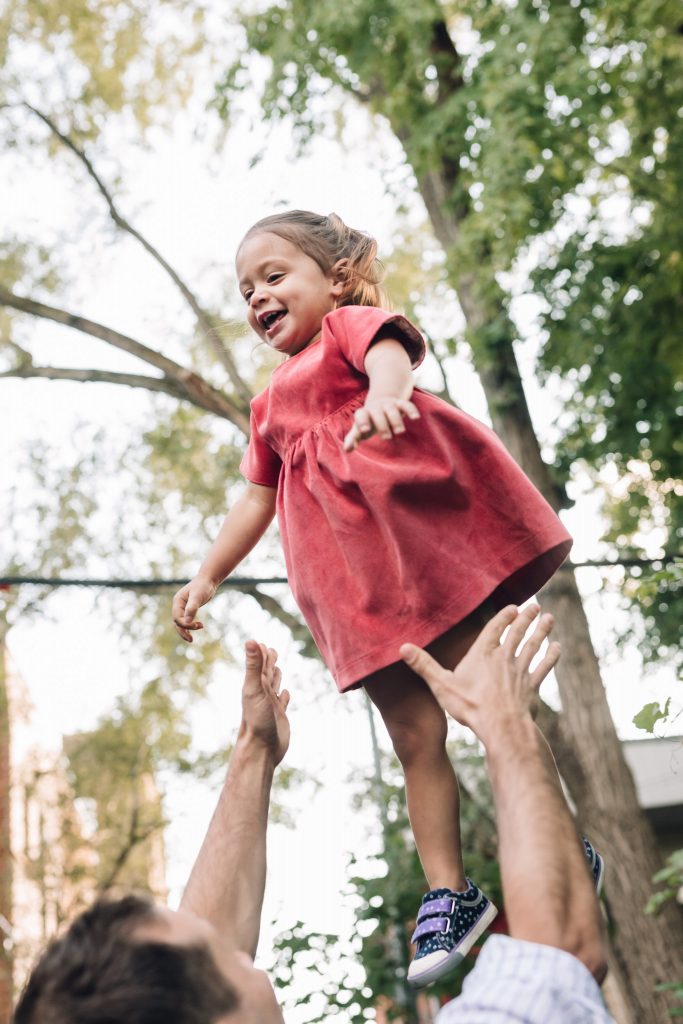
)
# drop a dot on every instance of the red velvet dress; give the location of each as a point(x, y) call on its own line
point(398, 540)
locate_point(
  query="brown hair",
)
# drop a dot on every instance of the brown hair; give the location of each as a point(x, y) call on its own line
point(327, 240)
point(97, 973)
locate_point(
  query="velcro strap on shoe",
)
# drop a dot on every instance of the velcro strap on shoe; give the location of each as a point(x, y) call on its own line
point(445, 905)
point(434, 926)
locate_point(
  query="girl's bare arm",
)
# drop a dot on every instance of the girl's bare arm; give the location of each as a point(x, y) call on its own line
point(242, 528)
point(388, 367)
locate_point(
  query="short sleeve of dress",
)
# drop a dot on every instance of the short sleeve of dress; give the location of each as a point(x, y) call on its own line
point(260, 463)
point(354, 328)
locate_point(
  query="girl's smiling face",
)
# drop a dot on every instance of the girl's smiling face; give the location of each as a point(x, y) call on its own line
point(287, 292)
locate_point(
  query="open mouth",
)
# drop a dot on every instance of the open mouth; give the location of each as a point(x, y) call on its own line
point(268, 320)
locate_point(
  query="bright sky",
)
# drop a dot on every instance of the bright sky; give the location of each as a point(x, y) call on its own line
point(194, 204)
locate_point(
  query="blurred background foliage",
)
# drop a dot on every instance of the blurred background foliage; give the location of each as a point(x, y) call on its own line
point(558, 125)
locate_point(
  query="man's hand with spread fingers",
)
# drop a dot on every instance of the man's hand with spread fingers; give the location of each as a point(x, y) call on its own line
point(494, 683)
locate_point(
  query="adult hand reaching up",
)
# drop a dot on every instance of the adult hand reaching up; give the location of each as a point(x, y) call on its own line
point(264, 705)
point(227, 882)
point(494, 683)
point(549, 894)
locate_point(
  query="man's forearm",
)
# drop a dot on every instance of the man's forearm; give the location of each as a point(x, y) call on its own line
point(227, 882)
point(538, 841)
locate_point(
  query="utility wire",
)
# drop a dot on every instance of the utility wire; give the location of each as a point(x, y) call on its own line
point(256, 581)
point(153, 584)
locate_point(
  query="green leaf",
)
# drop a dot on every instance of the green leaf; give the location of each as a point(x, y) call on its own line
point(649, 715)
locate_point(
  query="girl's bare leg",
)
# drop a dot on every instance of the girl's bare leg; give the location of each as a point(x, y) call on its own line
point(417, 727)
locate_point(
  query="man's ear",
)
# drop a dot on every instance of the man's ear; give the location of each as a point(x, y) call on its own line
point(340, 276)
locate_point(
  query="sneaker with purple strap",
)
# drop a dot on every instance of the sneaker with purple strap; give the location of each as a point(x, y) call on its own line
point(448, 925)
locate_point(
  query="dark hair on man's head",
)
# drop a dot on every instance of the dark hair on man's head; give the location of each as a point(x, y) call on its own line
point(97, 973)
point(328, 240)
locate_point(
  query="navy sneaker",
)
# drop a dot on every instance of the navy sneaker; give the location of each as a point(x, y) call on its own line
point(448, 925)
point(596, 864)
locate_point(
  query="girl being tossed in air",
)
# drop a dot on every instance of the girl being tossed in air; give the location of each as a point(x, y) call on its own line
point(402, 519)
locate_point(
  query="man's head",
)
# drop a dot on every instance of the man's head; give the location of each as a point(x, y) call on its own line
point(131, 961)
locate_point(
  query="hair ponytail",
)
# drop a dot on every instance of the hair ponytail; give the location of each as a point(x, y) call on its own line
point(328, 241)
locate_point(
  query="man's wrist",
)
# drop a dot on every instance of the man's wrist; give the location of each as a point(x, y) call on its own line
point(253, 746)
point(507, 733)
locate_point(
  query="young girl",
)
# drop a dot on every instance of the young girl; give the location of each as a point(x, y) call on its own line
point(402, 519)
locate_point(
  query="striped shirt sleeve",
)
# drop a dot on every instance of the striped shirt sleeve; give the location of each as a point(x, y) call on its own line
point(517, 982)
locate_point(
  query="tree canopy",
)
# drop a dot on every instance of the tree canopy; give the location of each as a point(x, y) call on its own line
point(557, 128)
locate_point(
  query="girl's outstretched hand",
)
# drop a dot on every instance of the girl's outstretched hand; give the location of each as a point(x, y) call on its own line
point(382, 416)
point(187, 603)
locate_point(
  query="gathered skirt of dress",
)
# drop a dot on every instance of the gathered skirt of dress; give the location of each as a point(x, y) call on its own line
point(401, 539)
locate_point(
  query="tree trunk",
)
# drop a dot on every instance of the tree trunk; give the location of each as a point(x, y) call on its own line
point(6, 992)
point(648, 950)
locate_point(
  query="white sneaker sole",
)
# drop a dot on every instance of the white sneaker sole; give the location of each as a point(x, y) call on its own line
point(431, 967)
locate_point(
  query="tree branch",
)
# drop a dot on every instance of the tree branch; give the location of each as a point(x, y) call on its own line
point(447, 59)
point(131, 380)
point(189, 384)
point(25, 358)
point(134, 839)
point(293, 623)
point(207, 324)
point(444, 391)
